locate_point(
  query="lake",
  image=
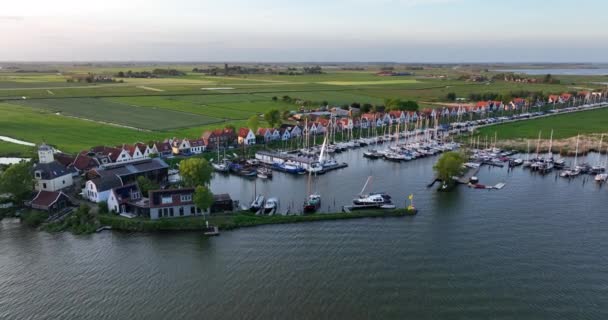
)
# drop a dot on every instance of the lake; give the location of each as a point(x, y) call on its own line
point(533, 250)
point(558, 71)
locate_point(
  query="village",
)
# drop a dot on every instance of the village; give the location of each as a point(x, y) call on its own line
point(109, 177)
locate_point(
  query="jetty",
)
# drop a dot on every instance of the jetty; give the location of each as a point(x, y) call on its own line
point(466, 177)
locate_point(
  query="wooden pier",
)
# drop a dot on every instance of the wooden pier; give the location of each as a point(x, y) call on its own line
point(466, 177)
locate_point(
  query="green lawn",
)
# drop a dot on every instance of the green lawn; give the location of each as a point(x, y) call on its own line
point(8, 149)
point(103, 110)
point(563, 126)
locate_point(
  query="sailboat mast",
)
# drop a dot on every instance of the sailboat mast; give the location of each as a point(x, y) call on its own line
point(576, 154)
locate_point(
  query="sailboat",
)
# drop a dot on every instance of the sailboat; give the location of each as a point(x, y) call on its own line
point(313, 201)
point(597, 169)
point(220, 166)
point(527, 163)
point(575, 170)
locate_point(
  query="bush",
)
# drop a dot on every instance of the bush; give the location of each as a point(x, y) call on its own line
point(34, 218)
point(103, 207)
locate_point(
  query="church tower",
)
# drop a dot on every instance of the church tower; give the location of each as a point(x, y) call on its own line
point(45, 154)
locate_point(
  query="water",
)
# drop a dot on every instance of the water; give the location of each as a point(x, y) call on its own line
point(11, 160)
point(559, 71)
point(533, 250)
point(16, 141)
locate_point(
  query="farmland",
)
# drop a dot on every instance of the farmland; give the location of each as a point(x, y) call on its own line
point(43, 106)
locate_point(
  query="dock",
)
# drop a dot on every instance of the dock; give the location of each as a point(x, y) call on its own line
point(102, 228)
point(211, 231)
point(471, 172)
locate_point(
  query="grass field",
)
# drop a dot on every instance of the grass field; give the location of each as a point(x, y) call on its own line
point(74, 116)
point(107, 111)
point(563, 126)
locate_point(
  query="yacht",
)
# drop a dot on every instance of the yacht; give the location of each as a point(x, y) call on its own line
point(377, 199)
point(257, 204)
point(312, 204)
point(271, 206)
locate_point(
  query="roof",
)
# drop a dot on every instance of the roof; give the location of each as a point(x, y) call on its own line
point(105, 183)
point(124, 193)
point(64, 159)
point(51, 170)
point(175, 194)
point(197, 143)
point(243, 132)
point(130, 168)
point(45, 199)
point(221, 197)
point(84, 162)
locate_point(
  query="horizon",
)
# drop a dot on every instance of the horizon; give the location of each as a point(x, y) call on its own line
point(403, 31)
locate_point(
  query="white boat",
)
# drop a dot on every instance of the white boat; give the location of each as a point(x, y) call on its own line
point(377, 199)
point(257, 204)
point(220, 167)
point(602, 177)
point(271, 206)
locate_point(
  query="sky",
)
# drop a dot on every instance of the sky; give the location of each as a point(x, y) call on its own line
point(306, 30)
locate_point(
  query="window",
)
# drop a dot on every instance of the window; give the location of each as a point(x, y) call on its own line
point(165, 212)
point(44, 186)
point(63, 181)
point(38, 175)
point(181, 211)
point(166, 200)
point(186, 197)
point(191, 210)
point(198, 210)
point(171, 212)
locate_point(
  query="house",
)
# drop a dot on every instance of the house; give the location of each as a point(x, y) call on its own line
point(284, 133)
point(128, 200)
point(565, 97)
point(123, 156)
point(265, 134)
point(553, 98)
point(294, 131)
point(309, 128)
point(246, 136)
point(197, 146)
point(50, 175)
point(98, 189)
point(221, 137)
point(50, 201)
point(367, 120)
point(135, 152)
point(105, 155)
point(397, 116)
point(164, 149)
point(180, 146)
point(276, 135)
point(172, 203)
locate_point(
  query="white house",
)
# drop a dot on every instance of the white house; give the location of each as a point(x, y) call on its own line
point(197, 146)
point(50, 175)
point(180, 146)
point(124, 156)
point(296, 131)
point(276, 135)
point(98, 190)
point(246, 136)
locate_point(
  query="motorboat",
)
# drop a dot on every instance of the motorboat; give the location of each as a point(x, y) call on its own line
point(372, 199)
point(257, 204)
point(602, 177)
point(220, 167)
point(271, 206)
point(312, 204)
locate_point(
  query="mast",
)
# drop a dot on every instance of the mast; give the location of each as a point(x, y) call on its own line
point(576, 154)
point(599, 162)
point(528, 153)
point(551, 144)
point(538, 144)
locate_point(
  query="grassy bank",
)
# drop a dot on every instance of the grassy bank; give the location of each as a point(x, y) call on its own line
point(240, 220)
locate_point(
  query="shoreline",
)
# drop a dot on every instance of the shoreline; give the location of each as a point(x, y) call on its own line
point(236, 221)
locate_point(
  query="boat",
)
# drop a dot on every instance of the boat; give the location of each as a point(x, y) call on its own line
point(220, 167)
point(373, 199)
point(372, 154)
point(264, 173)
point(271, 206)
point(312, 204)
point(257, 204)
point(289, 168)
point(602, 177)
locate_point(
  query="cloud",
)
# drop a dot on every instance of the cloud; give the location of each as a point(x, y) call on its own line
point(11, 18)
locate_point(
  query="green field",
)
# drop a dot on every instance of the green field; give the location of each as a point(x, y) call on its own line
point(563, 126)
point(38, 106)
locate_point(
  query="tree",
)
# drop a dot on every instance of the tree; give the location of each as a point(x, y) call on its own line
point(449, 165)
point(146, 185)
point(366, 107)
point(195, 172)
point(203, 198)
point(451, 96)
point(253, 123)
point(273, 117)
point(17, 180)
point(274, 98)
